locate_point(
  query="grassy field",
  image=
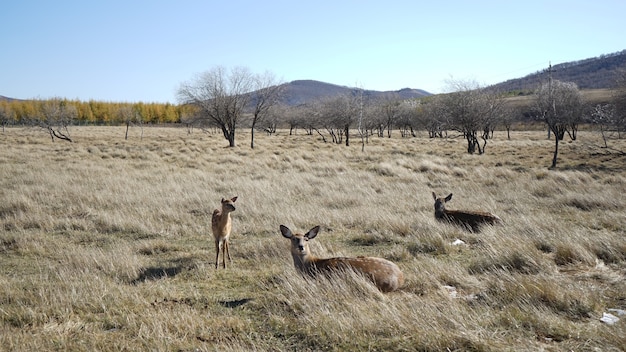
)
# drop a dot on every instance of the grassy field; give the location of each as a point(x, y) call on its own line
point(105, 243)
point(590, 96)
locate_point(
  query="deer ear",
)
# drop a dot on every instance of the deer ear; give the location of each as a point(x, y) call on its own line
point(222, 200)
point(312, 232)
point(285, 231)
point(233, 199)
point(434, 196)
point(448, 197)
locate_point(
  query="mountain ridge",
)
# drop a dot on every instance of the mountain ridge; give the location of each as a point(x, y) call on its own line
point(304, 91)
point(592, 73)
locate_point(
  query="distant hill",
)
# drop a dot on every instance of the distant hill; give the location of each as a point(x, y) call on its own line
point(2, 97)
point(594, 73)
point(307, 91)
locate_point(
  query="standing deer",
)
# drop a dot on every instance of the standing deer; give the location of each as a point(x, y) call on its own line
point(221, 225)
point(385, 274)
point(471, 220)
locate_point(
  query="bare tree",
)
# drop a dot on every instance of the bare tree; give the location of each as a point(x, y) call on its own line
point(267, 94)
point(390, 109)
point(339, 114)
point(130, 116)
point(603, 116)
point(432, 116)
point(407, 118)
point(370, 119)
point(269, 124)
point(293, 116)
point(6, 114)
point(56, 115)
point(471, 109)
point(221, 96)
point(509, 115)
point(362, 118)
point(329, 118)
point(188, 118)
point(560, 105)
point(309, 116)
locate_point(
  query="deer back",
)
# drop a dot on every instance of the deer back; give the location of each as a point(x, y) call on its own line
point(467, 218)
point(472, 219)
point(385, 274)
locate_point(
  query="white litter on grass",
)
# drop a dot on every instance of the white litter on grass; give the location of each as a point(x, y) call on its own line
point(612, 317)
point(458, 242)
point(619, 312)
point(609, 318)
point(451, 291)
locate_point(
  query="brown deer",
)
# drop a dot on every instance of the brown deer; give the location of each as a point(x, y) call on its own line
point(385, 274)
point(221, 225)
point(471, 220)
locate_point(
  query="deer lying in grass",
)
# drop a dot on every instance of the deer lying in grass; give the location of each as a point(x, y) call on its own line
point(471, 220)
point(385, 274)
point(221, 225)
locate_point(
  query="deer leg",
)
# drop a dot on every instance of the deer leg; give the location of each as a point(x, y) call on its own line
point(225, 252)
point(227, 249)
point(217, 252)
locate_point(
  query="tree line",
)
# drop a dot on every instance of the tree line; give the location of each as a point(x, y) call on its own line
point(226, 99)
point(91, 112)
point(229, 99)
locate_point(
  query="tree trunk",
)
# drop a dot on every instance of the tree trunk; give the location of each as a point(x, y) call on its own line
point(603, 136)
point(321, 135)
point(252, 136)
point(471, 142)
point(347, 136)
point(225, 132)
point(556, 151)
point(574, 130)
point(231, 139)
point(559, 134)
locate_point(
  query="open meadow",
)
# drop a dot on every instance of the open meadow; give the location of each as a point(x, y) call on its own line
point(106, 244)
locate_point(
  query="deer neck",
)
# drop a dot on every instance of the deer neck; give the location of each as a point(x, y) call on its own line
point(225, 218)
point(304, 261)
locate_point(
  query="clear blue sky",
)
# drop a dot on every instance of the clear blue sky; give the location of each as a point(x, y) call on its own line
point(130, 51)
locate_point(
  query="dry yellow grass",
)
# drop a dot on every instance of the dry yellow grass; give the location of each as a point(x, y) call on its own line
point(591, 96)
point(105, 244)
